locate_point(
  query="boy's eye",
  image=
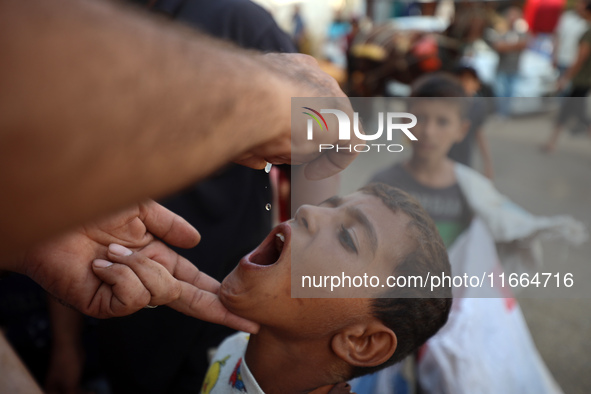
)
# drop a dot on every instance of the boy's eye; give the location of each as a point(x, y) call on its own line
point(347, 240)
point(442, 122)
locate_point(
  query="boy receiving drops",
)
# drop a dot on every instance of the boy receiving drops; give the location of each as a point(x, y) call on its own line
point(314, 345)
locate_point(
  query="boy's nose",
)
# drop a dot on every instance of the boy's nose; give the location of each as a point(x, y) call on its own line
point(430, 130)
point(308, 217)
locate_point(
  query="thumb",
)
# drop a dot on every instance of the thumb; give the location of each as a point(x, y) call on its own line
point(328, 164)
point(251, 161)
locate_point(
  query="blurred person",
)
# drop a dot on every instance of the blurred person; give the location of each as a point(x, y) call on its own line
point(462, 152)
point(468, 26)
point(509, 43)
point(335, 47)
point(350, 39)
point(428, 175)
point(579, 77)
point(466, 206)
point(569, 30)
point(469, 29)
point(299, 34)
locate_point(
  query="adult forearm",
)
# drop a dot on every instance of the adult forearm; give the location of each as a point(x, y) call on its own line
point(101, 106)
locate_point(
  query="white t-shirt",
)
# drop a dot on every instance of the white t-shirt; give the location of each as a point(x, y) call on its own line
point(228, 373)
point(568, 32)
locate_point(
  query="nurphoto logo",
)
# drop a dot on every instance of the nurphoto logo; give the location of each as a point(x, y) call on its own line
point(345, 129)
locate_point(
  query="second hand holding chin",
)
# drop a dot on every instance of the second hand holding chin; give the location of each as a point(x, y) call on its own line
point(95, 270)
point(175, 282)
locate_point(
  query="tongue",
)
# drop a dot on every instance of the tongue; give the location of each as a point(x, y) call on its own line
point(269, 254)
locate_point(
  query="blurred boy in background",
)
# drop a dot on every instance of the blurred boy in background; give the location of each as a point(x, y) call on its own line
point(486, 346)
point(462, 152)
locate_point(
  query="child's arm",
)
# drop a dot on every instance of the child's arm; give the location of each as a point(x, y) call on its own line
point(485, 152)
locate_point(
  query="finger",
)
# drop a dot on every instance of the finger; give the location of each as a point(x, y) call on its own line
point(328, 164)
point(121, 292)
point(206, 306)
point(180, 268)
point(279, 149)
point(163, 287)
point(198, 290)
point(254, 162)
point(168, 226)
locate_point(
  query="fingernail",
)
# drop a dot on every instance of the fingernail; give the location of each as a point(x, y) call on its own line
point(100, 263)
point(119, 250)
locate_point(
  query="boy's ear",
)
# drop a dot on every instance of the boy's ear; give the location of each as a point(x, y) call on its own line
point(365, 344)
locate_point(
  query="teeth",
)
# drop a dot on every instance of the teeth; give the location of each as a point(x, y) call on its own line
point(280, 236)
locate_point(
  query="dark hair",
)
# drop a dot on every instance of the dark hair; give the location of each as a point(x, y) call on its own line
point(438, 84)
point(466, 70)
point(441, 85)
point(406, 311)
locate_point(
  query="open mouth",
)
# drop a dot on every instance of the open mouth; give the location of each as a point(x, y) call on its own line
point(269, 252)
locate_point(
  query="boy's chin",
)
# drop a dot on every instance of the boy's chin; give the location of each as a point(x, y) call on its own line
point(234, 295)
point(228, 291)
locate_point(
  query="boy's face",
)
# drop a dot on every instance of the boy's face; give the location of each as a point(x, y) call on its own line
point(439, 126)
point(355, 234)
point(469, 83)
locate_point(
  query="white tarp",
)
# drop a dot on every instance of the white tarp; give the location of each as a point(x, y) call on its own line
point(485, 347)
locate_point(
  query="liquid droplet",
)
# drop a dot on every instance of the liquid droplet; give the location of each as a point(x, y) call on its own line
point(268, 167)
point(268, 207)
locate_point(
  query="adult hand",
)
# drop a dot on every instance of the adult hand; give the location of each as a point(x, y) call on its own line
point(303, 77)
point(196, 293)
point(72, 267)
